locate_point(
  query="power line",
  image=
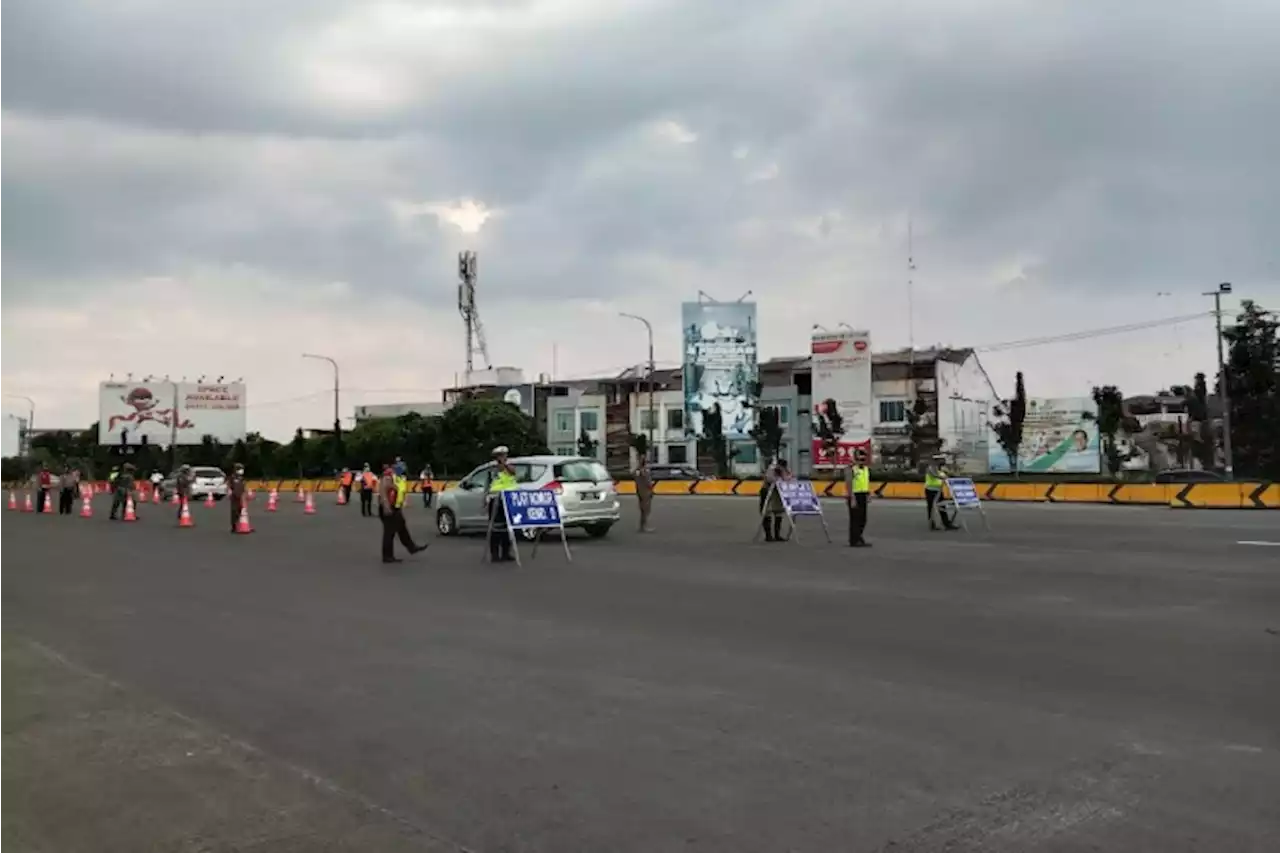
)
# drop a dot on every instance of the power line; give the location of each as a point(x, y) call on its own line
point(1092, 333)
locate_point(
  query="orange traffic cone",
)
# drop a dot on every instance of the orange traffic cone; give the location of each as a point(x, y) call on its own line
point(310, 508)
point(302, 496)
point(174, 499)
point(243, 526)
point(13, 502)
point(155, 496)
point(208, 501)
point(272, 497)
point(26, 506)
point(130, 514)
point(342, 496)
point(48, 503)
point(184, 520)
point(249, 493)
point(86, 505)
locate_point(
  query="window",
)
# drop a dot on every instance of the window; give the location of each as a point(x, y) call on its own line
point(677, 454)
point(529, 473)
point(746, 453)
point(784, 413)
point(565, 450)
point(647, 423)
point(675, 419)
point(893, 411)
point(589, 420)
point(477, 479)
point(564, 421)
point(581, 471)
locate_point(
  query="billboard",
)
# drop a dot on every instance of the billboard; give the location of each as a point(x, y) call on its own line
point(720, 365)
point(1059, 436)
point(842, 372)
point(158, 410)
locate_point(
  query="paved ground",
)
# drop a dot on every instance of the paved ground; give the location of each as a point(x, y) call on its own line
point(1083, 678)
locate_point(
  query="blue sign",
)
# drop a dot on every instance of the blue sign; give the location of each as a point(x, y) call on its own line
point(798, 497)
point(531, 508)
point(963, 491)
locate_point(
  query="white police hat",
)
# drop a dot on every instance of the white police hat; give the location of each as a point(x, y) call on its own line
point(501, 450)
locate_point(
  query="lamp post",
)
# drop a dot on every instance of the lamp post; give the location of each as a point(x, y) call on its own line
point(1229, 466)
point(649, 329)
point(31, 419)
point(337, 423)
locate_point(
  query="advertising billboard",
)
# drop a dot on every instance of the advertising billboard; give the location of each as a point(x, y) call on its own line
point(1059, 436)
point(130, 410)
point(720, 365)
point(842, 373)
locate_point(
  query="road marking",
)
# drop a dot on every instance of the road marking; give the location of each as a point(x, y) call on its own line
point(1261, 542)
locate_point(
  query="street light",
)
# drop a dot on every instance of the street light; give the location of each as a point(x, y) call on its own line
point(31, 417)
point(337, 423)
point(649, 329)
point(1223, 390)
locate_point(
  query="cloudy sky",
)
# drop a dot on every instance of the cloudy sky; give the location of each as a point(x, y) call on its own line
point(215, 187)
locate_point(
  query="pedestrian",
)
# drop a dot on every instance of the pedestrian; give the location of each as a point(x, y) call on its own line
point(393, 490)
point(644, 493)
point(66, 491)
point(368, 485)
point(504, 478)
point(123, 489)
point(428, 486)
point(935, 477)
point(182, 483)
point(857, 485)
point(157, 483)
point(348, 476)
point(235, 494)
point(44, 483)
point(771, 509)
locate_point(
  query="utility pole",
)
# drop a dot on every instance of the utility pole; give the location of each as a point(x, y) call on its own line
point(337, 421)
point(24, 441)
point(1223, 390)
point(649, 329)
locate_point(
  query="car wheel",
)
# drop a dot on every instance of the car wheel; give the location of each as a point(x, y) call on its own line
point(597, 531)
point(446, 524)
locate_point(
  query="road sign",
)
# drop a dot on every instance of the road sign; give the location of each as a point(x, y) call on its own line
point(535, 510)
point(964, 495)
point(798, 497)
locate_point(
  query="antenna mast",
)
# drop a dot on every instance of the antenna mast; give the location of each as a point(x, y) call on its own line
point(911, 283)
point(470, 312)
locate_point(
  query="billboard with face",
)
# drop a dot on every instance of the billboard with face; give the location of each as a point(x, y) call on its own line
point(161, 411)
point(842, 375)
point(720, 365)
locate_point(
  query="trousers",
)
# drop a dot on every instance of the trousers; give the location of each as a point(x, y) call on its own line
point(366, 501)
point(393, 527)
point(857, 517)
point(66, 500)
point(646, 507)
point(499, 535)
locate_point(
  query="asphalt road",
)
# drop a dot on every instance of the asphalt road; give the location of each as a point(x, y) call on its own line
point(1080, 678)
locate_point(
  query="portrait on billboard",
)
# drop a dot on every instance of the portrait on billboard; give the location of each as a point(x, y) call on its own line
point(720, 365)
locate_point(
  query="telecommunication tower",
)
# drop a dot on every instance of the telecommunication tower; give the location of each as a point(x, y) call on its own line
point(470, 313)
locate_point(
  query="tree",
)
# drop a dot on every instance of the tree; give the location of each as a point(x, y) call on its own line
point(1110, 419)
point(468, 432)
point(917, 430)
point(640, 443)
point(767, 434)
point(1253, 383)
point(828, 427)
point(1201, 427)
point(1013, 414)
point(587, 445)
point(713, 439)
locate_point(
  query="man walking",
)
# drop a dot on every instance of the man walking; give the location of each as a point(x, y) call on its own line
point(934, 479)
point(393, 490)
point(857, 485)
point(644, 493)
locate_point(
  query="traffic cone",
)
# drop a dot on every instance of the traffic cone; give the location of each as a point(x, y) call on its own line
point(208, 501)
point(26, 506)
point(342, 497)
point(174, 500)
point(129, 513)
point(243, 526)
point(155, 496)
point(13, 502)
point(184, 520)
point(310, 508)
point(48, 503)
point(271, 500)
point(249, 493)
point(302, 496)
point(86, 505)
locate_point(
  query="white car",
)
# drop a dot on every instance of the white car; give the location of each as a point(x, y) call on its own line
point(588, 495)
point(204, 481)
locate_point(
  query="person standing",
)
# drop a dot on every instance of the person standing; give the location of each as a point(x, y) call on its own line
point(123, 489)
point(504, 478)
point(644, 493)
point(427, 484)
point(368, 485)
point(235, 494)
point(771, 508)
point(182, 483)
point(157, 480)
point(857, 483)
point(348, 477)
point(935, 476)
point(44, 483)
point(393, 490)
point(67, 490)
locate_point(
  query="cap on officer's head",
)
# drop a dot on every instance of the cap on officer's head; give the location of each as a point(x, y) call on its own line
point(501, 450)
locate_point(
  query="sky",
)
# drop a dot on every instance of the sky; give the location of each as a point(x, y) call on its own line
point(213, 188)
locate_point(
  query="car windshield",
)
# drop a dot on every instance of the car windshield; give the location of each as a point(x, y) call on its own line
point(206, 473)
point(581, 471)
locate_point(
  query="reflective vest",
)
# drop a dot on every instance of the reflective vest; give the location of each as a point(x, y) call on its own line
point(402, 490)
point(861, 480)
point(504, 482)
point(932, 481)
point(370, 480)
point(347, 478)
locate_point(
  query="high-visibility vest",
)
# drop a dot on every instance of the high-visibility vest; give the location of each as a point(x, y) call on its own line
point(347, 478)
point(933, 482)
point(861, 480)
point(503, 482)
point(370, 480)
point(402, 490)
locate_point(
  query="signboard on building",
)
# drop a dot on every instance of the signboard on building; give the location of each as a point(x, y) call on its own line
point(1059, 436)
point(127, 411)
point(720, 365)
point(842, 373)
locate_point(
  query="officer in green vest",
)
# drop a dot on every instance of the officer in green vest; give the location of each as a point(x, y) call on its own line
point(504, 478)
point(934, 477)
point(857, 485)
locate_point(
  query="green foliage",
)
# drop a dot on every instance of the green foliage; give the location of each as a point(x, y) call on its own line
point(1110, 420)
point(1013, 414)
point(1253, 382)
point(767, 434)
point(587, 445)
point(713, 441)
point(917, 430)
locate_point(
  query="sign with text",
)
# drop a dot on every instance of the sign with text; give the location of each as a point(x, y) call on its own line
point(963, 492)
point(798, 497)
point(165, 412)
point(529, 508)
point(842, 377)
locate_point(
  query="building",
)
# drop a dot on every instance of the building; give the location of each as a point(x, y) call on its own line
point(395, 410)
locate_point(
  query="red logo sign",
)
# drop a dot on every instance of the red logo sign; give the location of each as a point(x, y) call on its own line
point(825, 347)
point(859, 345)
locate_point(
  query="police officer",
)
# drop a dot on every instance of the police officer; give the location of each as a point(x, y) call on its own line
point(182, 483)
point(123, 484)
point(392, 492)
point(427, 481)
point(934, 479)
point(504, 478)
point(235, 494)
point(368, 485)
point(857, 484)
